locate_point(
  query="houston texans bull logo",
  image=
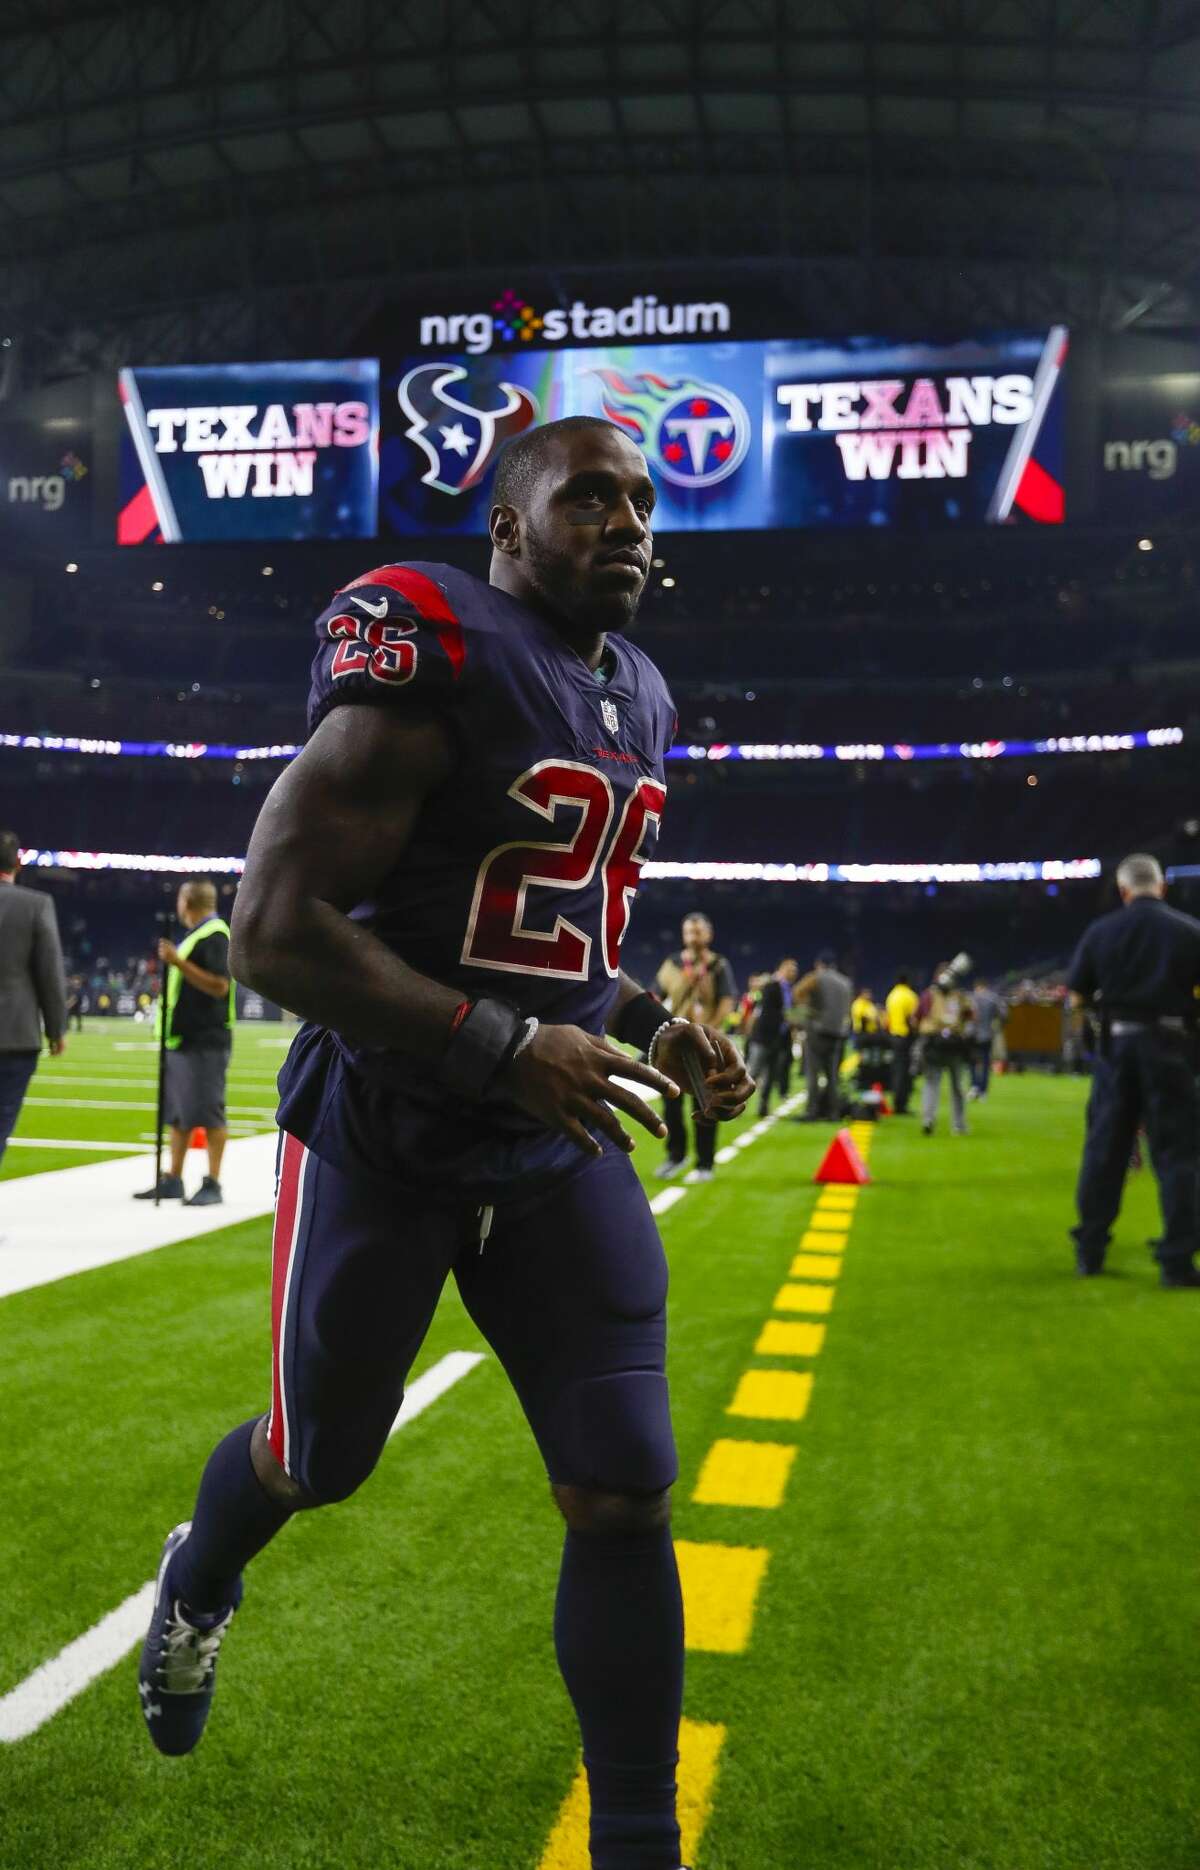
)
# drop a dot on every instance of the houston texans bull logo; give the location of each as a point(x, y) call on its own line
point(459, 441)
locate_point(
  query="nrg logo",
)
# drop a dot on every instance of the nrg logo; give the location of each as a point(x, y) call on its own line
point(47, 491)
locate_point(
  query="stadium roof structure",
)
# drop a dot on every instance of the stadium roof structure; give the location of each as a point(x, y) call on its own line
point(221, 178)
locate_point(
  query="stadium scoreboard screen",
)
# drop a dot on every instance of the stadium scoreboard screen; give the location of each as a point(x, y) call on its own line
point(766, 435)
point(249, 451)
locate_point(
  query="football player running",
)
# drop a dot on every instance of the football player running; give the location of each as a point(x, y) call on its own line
point(439, 885)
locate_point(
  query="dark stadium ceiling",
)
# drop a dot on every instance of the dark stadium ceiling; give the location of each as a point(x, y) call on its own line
point(239, 177)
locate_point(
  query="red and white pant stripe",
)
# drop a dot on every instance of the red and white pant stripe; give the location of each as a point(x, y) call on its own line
point(289, 1203)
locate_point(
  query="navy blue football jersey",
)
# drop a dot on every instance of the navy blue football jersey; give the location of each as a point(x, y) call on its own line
point(519, 877)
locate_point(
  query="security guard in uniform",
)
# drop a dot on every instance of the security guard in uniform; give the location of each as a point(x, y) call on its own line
point(1139, 969)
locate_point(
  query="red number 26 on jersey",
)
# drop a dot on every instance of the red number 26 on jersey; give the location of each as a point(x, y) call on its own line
point(496, 933)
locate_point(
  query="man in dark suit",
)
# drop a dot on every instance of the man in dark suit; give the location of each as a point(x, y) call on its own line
point(33, 993)
point(770, 1037)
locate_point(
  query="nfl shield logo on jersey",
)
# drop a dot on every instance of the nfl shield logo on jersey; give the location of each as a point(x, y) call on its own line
point(608, 714)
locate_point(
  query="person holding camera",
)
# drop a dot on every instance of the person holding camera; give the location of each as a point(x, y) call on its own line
point(946, 1030)
point(696, 984)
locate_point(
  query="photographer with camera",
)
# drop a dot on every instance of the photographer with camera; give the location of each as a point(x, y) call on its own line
point(946, 1033)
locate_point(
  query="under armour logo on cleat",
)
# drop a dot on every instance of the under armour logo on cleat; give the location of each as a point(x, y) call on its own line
point(149, 1708)
point(373, 610)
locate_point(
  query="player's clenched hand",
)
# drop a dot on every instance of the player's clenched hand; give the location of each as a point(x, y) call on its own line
point(707, 1062)
point(565, 1078)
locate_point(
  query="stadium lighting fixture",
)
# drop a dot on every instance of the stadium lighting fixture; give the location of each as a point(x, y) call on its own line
point(157, 585)
point(659, 564)
point(668, 584)
point(1145, 545)
point(268, 571)
point(1024, 870)
point(72, 566)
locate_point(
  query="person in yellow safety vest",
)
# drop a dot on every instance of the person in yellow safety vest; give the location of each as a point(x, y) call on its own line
point(865, 1016)
point(199, 1012)
point(900, 1013)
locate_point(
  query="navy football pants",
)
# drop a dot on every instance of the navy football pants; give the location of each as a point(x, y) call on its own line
point(569, 1289)
point(1146, 1078)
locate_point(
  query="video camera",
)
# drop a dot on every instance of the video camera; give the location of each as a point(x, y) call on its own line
point(950, 1042)
point(955, 973)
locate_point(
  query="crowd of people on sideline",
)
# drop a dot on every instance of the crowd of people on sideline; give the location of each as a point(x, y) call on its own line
point(829, 1026)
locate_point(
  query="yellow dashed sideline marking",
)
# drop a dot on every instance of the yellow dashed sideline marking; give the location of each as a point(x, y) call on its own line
point(782, 1338)
point(804, 1299)
point(772, 1395)
point(822, 1243)
point(838, 1195)
point(815, 1266)
point(744, 1473)
point(720, 1585)
point(700, 1745)
point(829, 1223)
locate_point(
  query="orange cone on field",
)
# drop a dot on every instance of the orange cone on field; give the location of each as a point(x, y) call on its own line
point(842, 1162)
point(198, 1139)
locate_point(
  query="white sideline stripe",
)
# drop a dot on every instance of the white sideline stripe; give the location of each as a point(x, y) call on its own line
point(38, 1210)
point(97, 1143)
point(41, 1695)
point(728, 1154)
point(71, 1220)
point(432, 1383)
point(51, 1687)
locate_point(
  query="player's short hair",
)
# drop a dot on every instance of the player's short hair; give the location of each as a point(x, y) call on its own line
point(525, 459)
point(10, 850)
point(1140, 874)
point(698, 915)
point(199, 894)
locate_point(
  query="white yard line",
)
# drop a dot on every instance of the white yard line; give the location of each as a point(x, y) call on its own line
point(97, 1103)
point(62, 1142)
point(660, 1203)
point(51, 1687)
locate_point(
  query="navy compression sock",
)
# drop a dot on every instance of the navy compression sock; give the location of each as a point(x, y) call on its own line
point(618, 1629)
point(235, 1517)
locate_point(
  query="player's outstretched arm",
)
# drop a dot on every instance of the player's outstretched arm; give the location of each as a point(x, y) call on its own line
point(332, 827)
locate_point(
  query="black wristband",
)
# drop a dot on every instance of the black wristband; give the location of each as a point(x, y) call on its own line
point(639, 1020)
point(481, 1044)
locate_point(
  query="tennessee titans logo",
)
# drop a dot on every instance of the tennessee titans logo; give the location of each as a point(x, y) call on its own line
point(696, 434)
point(459, 441)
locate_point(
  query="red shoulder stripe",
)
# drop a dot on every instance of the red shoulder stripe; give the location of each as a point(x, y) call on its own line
point(430, 603)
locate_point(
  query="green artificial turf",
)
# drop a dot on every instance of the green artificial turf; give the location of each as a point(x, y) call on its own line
point(974, 1648)
point(115, 1062)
